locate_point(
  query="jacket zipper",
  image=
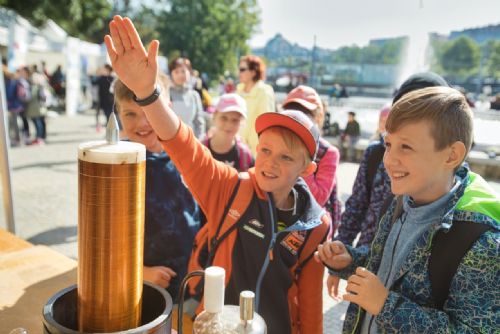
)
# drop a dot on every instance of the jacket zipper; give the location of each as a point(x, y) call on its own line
point(358, 315)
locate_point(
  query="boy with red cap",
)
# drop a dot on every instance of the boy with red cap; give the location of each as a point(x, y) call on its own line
point(270, 220)
point(224, 143)
point(322, 183)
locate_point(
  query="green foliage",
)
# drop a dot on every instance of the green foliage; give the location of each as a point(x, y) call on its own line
point(460, 56)
point(86, 19)
point(211, 33)
point(387, 53)
point(493, 59)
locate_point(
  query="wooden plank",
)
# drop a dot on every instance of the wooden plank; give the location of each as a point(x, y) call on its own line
point(9, 242)
point(28, 278)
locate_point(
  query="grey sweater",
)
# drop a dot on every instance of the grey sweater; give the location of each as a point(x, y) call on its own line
point(187, 104)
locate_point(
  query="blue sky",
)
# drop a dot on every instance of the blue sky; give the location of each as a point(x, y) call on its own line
point(346, 22)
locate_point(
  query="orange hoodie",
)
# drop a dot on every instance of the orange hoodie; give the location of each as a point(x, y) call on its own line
point(275, 264)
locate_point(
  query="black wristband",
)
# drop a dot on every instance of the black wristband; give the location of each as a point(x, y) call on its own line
point(150, 99)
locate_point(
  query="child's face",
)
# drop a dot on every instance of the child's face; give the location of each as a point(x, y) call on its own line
point(228, 123)
point(137, 127)
point(180, 75)
point(277, 167)
point(415, 167)
point(381, 123)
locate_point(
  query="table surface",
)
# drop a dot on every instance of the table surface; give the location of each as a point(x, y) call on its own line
point(29, 276)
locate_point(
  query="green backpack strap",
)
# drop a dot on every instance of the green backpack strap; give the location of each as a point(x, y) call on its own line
point(448, 249)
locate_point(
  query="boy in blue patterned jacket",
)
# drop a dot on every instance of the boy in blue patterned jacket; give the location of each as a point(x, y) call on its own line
point(172, 216)
point(390, 286)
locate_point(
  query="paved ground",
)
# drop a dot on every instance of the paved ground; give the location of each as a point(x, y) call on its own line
point(44, 180)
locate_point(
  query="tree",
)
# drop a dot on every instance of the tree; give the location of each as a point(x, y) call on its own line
point(86, 19)
point(211, 33)
point(461, 56)
point(493, 61)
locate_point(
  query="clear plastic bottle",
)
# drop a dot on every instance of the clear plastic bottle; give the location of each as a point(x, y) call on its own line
point(210, 320)
point(18, 330)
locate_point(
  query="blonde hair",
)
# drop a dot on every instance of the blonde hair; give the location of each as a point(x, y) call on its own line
point(445, 108)
point(124, 94)
point(292, 142)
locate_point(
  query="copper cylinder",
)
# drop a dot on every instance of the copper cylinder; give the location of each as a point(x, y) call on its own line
point(111, 188)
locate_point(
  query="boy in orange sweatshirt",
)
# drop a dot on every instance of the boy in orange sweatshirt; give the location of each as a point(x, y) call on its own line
point(278, 224)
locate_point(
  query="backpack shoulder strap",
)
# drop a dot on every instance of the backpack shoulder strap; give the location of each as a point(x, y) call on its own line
point(322, 148)
point(238, 203)
point(244, 155)
point(448, 249)
point(372, 163)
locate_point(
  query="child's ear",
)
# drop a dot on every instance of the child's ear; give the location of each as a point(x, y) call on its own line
point(456, 154)
point(310, 168)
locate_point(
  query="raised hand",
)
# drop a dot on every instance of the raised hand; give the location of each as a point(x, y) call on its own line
point(365, 289)
point(333, 254)
point(135, 67)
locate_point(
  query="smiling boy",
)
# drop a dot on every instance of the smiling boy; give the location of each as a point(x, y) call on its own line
point(392, 288)
point(278, 222)
point(172, 217)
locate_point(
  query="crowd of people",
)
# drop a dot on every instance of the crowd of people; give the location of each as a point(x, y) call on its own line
point(28, 92)
point(418, 239)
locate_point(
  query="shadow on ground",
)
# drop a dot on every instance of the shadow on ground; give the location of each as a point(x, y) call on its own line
point(44, 165)
point(56, 236)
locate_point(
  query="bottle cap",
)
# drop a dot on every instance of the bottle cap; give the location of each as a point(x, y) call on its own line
point(213, 295)
point(246, 305)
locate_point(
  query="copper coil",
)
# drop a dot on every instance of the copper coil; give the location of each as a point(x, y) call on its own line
point(110, 245)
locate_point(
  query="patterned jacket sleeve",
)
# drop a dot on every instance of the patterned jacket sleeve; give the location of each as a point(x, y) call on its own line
point(356, 206)
point(359, 259)
point(472, 305)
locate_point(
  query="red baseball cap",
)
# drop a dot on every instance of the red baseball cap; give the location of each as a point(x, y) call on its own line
point(295, 121)
point(305, 96)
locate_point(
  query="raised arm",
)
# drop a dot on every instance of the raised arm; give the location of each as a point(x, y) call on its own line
point(138, 70)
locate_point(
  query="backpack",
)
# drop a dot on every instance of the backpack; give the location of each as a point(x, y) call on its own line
point(333, 205)
point(205, 247)
point(372, 163)
point(448, 249)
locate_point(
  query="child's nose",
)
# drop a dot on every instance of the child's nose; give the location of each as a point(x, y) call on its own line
point(143, 121)
point(389, 158)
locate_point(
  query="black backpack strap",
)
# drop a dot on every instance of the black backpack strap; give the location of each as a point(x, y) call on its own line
point(448, 249)
point(214, 243)
point(321, 153)
point(372, 163)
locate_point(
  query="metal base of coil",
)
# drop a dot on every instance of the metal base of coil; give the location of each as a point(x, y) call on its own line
point(60, 312)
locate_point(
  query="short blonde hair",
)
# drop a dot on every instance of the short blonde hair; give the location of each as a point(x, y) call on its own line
point(292, 141)
point(124, 94)
point(445, 108)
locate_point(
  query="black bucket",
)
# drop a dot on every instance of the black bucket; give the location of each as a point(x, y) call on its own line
point(59, 314)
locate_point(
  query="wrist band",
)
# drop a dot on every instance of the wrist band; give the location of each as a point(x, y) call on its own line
point(150, 99)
